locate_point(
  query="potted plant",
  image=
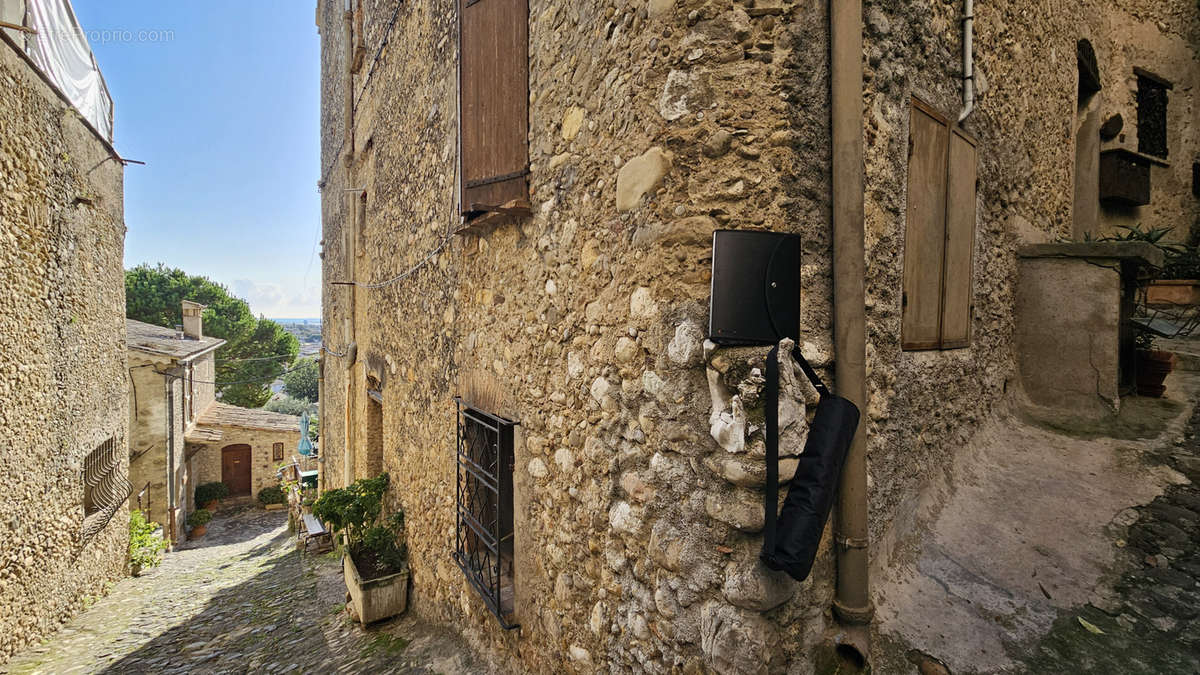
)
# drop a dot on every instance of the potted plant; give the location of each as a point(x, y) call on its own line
point(1153, 366)
point(1179, 283)
point(145, 543)
point(209, 495)
point(272, 497)
point(198, 521)
point(375, 560)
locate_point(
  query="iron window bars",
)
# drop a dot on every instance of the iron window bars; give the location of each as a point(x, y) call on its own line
point(484, 498)
point(105, 489)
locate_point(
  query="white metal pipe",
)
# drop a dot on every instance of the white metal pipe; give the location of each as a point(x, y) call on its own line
point(968, 60)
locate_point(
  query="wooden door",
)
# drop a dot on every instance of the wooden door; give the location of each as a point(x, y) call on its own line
point(235, 469)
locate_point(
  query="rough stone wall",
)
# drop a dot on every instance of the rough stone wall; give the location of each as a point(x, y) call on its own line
point(62, 354)
point(1163, 37)
point(148, 435)
point(165, 457)
point(207, 462)
point(204, 391)
point(924, 405)
point(650, 126)
point(584, 320)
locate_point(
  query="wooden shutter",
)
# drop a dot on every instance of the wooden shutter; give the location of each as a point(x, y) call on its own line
point(960, 241)
point(939, 235)
point(494, 103)
point(925, 230)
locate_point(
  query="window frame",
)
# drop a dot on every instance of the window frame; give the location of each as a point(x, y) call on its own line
point(1147, 81)
point(480, 544)
point(105, 488)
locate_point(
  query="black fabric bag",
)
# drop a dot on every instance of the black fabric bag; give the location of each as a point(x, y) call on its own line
point(791, 538)
point(755, 300)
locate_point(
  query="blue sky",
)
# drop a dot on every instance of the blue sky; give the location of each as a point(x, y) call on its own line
point(221, 102)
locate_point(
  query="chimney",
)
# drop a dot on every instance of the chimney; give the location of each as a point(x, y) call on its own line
point(192, 312)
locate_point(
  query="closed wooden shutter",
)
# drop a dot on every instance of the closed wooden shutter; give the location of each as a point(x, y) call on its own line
point(960, 242)
point(494, 101)
point(939, 235)
point(924, 231)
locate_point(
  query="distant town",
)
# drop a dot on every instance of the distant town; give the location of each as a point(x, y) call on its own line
point(307, 332)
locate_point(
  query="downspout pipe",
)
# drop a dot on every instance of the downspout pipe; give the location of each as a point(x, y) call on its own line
point(172, 525)
point(320, 415)
point(852, 601)
point(968, 60)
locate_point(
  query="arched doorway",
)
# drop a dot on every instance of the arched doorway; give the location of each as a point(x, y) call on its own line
point(235, 469)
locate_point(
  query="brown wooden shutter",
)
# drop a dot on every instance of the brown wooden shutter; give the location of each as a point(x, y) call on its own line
point(925, 230)
point(960, 241)
point(494, 100)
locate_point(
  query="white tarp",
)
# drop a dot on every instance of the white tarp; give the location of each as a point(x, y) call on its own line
point(60, 48)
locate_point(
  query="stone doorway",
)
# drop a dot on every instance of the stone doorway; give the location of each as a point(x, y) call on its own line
point(235, 469)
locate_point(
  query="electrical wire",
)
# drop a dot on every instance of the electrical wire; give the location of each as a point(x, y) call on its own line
point(329, 168)
point(260, 358)
point(424, 261)
point(340, 355)
point(407, 273)
point(266, 378)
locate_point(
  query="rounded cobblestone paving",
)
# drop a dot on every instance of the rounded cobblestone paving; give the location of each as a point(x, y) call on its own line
point(240, 600)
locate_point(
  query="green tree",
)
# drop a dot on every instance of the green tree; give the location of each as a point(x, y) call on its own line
point(301, 382)
point(155, 295)
point(291, 406)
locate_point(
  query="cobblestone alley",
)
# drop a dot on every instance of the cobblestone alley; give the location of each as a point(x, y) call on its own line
point(240, 600)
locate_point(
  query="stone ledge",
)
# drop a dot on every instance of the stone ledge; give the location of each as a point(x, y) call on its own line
point(1133, 251)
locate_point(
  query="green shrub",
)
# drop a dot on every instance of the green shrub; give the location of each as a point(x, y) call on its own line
point(272, 494)
point(145, 547)
point(199, 517)
point(355, 512)
point(289, 405)
point(211, 492)
point(386, 541)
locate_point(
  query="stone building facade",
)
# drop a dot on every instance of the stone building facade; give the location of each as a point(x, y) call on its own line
point(63, 418)
point(170, 387)
point(637, 461)
point(182, 436)
point(269, 439)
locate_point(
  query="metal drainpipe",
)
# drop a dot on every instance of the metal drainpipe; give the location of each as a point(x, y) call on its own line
point(852, 602)
point(349, 197)
point(320, 415)
point(171, 497)
point(968, 60)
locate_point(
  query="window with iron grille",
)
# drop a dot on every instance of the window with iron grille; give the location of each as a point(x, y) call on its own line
point(1152, 113)
point(484, 495)
point(104, 488)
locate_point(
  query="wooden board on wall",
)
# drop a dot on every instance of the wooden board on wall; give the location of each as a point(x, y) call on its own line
point(494, 102)
point(960, 241)
point(924, 230)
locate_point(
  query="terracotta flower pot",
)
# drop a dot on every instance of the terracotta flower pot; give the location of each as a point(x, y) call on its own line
point(199, 531)
point(1168, 292)
point(1153, 366)
point(213, 505)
